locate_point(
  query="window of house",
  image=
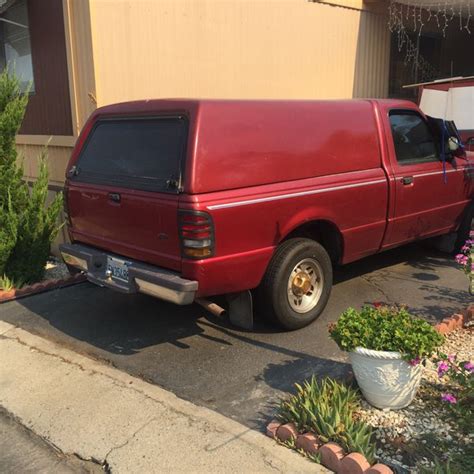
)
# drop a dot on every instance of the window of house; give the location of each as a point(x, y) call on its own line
point(15, 47)
point(413, 140)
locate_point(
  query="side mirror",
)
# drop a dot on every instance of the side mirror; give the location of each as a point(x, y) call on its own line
point(453, 144)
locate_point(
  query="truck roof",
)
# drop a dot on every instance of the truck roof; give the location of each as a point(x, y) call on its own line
point(240, 143)
point(147, 105)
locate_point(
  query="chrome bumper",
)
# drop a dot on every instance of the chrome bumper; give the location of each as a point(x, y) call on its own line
point(142, 278)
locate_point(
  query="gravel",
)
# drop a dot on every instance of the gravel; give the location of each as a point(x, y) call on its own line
point(55, 269)
point(406, 437)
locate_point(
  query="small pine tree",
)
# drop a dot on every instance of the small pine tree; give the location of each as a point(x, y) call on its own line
point(27, 225)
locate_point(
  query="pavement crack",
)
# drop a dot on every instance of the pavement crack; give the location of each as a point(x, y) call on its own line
point(371, 281)
point(122, 445)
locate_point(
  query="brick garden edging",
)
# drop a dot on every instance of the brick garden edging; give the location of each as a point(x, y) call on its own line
point(331, 454)
point(40, 287)
point(456, 321)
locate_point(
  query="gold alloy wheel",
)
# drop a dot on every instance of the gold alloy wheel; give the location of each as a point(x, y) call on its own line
point(305, 285)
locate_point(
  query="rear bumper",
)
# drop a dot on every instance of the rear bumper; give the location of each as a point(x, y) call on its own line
point(142, 278)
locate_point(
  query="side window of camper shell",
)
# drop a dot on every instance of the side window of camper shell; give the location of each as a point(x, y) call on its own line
point(412, 138)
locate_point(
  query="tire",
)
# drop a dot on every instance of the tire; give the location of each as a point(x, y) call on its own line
point(466, 226)
point(296, 286)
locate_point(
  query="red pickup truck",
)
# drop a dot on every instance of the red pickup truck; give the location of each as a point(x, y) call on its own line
point(184, 199)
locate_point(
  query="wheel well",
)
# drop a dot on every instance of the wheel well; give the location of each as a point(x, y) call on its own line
point(324, 232)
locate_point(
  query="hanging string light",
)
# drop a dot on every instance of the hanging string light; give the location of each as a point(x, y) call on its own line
point(421, 12)
point(408, 18)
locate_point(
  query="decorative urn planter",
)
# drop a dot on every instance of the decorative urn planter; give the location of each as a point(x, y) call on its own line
point(385, 379)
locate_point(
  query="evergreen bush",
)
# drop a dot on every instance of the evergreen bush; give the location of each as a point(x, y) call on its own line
point(27, 225)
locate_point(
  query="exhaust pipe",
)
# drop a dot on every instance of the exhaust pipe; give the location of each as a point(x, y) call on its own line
point(213, 308)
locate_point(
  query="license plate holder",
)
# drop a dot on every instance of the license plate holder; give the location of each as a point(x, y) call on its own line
point(117, 269)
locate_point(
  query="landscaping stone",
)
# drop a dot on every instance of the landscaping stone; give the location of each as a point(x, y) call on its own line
point(459, 320)
point(287, 432)
point(469, 314)
point(331, 456)
point(272, 428)
point(354, 463)
point(443, 328)
point(450, 323)
point(308, 442)
point(379, 469)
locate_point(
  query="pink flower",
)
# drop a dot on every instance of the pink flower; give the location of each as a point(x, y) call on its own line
point(443, 367)
point(414, 361)
point(452, 357)
point(461, 259)
point(469, 366)
point(448, 397)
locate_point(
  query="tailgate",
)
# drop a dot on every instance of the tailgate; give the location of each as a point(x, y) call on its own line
point(142, 225)
point(122, 191)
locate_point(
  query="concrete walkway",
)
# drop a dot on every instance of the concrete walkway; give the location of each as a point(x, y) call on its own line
point(99, 413)
point(21, 451)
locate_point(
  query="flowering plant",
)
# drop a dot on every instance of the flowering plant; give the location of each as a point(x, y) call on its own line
point(465, 258)
point(384, 328)
point(461, 375)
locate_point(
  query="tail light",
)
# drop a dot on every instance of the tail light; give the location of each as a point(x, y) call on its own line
point(196, 231)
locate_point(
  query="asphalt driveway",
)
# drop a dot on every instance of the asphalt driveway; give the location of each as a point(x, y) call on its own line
point(205, 360)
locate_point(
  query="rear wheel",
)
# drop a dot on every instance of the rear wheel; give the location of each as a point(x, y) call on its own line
point(297, 283)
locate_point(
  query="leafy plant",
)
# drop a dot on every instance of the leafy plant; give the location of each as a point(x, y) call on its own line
point(7, 284)
point(384, 328)
point(27, 225)
point(328, 409)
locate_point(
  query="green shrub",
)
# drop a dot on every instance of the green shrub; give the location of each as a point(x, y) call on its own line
point(328, 409)
point(386, 329)
point(27, 225)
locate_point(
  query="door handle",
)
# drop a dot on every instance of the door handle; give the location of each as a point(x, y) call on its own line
point(115, 197)
point(406, 180)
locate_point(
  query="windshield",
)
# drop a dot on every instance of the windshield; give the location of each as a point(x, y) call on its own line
point(139, 153)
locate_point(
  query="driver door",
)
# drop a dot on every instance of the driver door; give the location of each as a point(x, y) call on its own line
point(428, 200)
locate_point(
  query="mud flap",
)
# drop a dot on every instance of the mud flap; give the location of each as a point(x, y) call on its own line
point(241, 309)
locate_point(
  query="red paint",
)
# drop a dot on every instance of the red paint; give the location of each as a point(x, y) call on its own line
point(301, 161)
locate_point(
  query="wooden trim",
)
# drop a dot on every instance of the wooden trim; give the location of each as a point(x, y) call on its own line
point(70, 67)
point(43, 140)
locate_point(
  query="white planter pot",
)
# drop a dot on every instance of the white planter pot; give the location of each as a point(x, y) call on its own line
point(385, 379)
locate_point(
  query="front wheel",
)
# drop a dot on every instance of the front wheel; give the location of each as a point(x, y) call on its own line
point(297, 283)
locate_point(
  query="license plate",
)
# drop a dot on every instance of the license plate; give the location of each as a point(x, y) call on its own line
point(117, 268)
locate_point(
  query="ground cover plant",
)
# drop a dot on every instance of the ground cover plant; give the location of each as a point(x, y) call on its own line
point(328, 408)
point(27, 225)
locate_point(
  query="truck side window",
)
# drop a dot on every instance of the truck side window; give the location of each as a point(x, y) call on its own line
point(412, 138)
